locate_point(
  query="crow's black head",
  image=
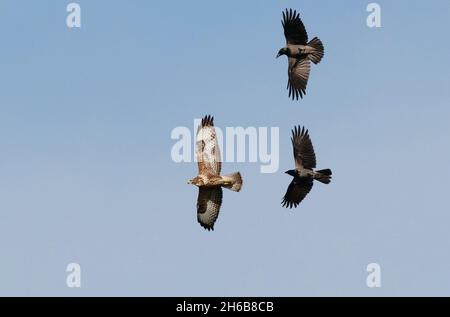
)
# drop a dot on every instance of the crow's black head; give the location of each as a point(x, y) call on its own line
point(292, 173)
point(283, 51)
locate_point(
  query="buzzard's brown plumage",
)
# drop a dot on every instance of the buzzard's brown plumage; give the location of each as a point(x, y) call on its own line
point(209, 180)
point(208, 206)
point(208, 151)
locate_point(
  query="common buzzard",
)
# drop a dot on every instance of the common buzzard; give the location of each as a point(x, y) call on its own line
point(209, 180)
point(304, 174)
point(299, 52)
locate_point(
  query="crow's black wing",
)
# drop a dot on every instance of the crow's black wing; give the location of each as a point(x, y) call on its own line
point(297, 191)
point(294, 30)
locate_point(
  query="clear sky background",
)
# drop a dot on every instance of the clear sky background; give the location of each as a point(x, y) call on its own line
point(86, 174)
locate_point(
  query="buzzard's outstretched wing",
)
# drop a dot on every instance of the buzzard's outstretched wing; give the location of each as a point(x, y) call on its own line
point(208, 152)
point(208, 206)
point(297, 191)
point(298, 72)
point(294, 30)
point(304, 155)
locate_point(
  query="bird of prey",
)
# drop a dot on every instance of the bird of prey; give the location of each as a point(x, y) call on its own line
point(300, 53)
point(304, 174)
point(209, 181)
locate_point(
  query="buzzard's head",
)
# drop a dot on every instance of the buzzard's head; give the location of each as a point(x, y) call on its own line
point(197, 181)
point(283, 51)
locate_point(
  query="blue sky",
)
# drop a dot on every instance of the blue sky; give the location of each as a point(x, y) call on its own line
point(86, 174)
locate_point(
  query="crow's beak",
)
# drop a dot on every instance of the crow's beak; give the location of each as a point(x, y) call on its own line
point(278, 55)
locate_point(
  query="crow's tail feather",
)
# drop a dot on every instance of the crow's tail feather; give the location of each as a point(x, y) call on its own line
point(318, 50)
point(323, 176)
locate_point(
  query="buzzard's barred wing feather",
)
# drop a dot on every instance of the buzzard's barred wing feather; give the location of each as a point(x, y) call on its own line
point(208, 206)
point(294, 30)
point(297, 191)
point(304, 155)
point(208, 151)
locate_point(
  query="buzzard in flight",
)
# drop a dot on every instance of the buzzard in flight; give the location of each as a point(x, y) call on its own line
point(300, 53)
point(304, 174)
point(209, 180)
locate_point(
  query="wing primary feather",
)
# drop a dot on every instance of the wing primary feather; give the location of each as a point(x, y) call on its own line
point(208, 121)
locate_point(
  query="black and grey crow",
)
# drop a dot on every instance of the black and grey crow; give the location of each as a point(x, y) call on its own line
point(300, 53)
point(304, 174)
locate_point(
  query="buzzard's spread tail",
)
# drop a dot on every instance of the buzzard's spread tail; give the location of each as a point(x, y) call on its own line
point(233, 181)
point(323, 176)
point(317, 53)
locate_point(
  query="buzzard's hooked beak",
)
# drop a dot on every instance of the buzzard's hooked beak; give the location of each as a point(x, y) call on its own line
point(189, 181)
